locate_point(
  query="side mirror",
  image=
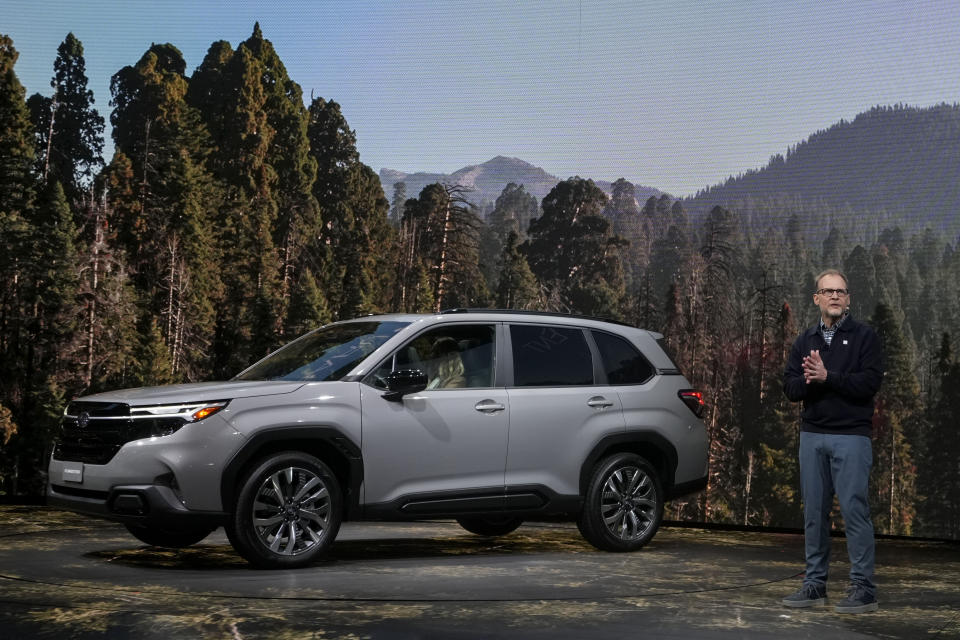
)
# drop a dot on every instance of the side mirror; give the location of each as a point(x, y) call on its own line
point(404, 381)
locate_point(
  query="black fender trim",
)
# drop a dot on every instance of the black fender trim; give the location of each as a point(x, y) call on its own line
point(634, 441)
point(298, 438)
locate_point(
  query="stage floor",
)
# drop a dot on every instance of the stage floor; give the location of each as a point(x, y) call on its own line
point(65, 576)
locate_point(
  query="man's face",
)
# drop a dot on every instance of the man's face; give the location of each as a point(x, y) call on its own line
point(832, 305)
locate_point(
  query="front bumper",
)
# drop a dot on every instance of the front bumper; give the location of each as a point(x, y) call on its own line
point(146, 504)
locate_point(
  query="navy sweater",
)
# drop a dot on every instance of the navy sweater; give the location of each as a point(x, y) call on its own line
point(854, 361)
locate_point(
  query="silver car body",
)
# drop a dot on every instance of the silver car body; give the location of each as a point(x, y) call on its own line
point(529, 450)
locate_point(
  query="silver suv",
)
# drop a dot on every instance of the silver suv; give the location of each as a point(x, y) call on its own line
point(488, 417)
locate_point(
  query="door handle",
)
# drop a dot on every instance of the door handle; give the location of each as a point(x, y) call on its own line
point(489, 406)
point(599, 402)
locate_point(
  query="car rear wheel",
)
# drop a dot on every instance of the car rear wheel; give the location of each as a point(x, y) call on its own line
point(288, 511)
point(624, 504)
point(490, 526)
point(170, 538)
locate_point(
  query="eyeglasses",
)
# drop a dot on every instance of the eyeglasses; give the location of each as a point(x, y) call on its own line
point(833, 292)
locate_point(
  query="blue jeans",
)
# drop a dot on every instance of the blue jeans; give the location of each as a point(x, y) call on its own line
point(837, 463)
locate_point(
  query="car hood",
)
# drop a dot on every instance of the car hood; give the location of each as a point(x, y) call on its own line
point(195, 392)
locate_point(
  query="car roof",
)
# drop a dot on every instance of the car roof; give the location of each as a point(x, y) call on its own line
point(497, 315)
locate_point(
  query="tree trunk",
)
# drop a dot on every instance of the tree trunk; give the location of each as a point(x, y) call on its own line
point(53, 116)
point(442, 263)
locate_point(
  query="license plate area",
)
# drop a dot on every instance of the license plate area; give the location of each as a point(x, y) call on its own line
point(72, 472)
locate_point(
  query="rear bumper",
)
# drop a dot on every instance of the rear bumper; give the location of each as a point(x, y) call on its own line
point(151, 505)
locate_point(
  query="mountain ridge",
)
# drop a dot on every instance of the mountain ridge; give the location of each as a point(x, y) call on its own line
point(899, 162)
point(487, 180)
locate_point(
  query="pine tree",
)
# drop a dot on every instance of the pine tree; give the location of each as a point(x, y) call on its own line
point(308, 307)
point(624, 215)
point(166, 204)
point(152, 358)
point(511, 214)
point(104, 345)
point(68, 127)
point(354, 219)
point(939, 474)
point(893, 481)
point(396, 204)
point(518, 288)
point(259, 130)
point(17, 190)
point(572, 251)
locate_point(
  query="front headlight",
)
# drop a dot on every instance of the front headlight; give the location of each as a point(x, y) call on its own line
point(166, 419)
point(186, 411)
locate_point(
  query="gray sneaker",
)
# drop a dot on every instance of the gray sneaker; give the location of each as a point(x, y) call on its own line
point(811, 595)
point(859, 600)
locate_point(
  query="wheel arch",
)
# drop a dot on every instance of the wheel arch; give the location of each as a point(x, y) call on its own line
point(326, 443)
point(651, 446)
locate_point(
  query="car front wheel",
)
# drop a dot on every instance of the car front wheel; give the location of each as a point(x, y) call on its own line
point(624, 504)
point(287, 513)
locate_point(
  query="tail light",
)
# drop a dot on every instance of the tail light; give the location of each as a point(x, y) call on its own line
point(693, 399)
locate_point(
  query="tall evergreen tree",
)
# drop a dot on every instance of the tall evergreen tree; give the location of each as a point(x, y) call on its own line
point(446, 239)
point(69, 129)
point(166, 202)
point(352, 252)
point(893, 480)
point(16, 206)
point(511, 214)
point(626, 221)
point(572, 251)
point(939, 475)
point(517, 287)
point(397, 202)
point(258, 126)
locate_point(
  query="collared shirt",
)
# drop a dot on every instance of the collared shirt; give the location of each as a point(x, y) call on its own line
point(828, 333)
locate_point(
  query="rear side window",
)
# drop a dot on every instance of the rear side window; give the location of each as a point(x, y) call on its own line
point(621, 360)
point(546, 356)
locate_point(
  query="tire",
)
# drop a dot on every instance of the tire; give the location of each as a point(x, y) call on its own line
point(624, 504)
point(287, 513)
point(490, 526)
point(173, 539)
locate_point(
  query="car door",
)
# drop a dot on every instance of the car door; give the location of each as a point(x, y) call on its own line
point(442, 449)
point(557, 411)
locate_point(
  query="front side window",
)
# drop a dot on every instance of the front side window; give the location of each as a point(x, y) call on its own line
point(329, 353)
point(548, 356)
point(453, 357)
point(621, 360)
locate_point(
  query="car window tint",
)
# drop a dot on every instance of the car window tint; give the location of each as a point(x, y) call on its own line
point(452, 356)
point(546, 356)
point(621, 360)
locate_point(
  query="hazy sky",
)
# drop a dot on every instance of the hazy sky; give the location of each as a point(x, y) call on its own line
point(674, 95)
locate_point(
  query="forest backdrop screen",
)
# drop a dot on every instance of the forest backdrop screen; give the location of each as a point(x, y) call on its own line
point(186, 186)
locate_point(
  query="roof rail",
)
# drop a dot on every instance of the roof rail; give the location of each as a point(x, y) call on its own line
point(536, 313)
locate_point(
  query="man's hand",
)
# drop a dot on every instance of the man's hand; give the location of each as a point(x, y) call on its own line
point(813, 368)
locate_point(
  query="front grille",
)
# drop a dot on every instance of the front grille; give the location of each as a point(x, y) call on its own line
point(93, 432)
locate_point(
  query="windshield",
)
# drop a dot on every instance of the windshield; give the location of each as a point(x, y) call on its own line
point(329, 353)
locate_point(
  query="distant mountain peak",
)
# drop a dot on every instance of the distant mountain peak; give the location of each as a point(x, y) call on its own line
point(488, 179)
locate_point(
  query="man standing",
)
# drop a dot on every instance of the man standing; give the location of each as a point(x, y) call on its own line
point(835, 368)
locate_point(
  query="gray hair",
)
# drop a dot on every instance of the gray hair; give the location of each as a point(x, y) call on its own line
point(831, 272)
